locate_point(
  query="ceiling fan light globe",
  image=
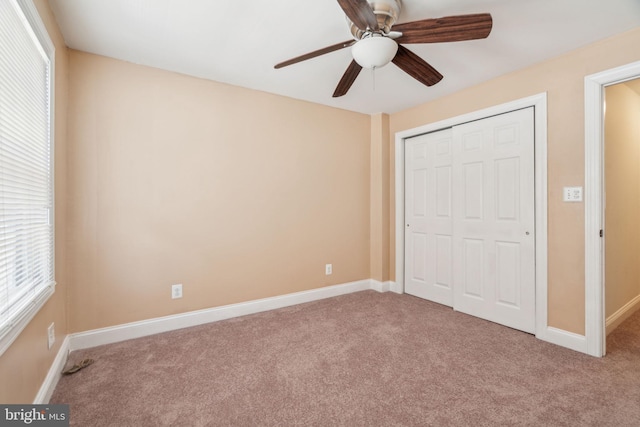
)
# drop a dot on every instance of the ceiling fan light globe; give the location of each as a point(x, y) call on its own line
point(374, 52)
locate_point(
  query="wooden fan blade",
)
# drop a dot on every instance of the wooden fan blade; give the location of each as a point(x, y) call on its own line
point(416, 67)
point(347, 79)
point(315, 53)
point(447, 29)
point(360, 13)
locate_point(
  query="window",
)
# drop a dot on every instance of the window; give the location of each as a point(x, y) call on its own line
point(26, 167)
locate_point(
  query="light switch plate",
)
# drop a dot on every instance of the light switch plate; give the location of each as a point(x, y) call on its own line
point(572, 194)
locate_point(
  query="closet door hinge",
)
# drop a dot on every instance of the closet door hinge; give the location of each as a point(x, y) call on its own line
point(601, 233)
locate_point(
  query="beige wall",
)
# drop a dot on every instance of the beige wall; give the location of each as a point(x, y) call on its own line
point(236, 194)
point(622, 186)
point(379, 197)
point(25, 364)
point(563, 80)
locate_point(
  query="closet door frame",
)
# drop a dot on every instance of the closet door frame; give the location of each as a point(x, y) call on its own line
point(539, 102)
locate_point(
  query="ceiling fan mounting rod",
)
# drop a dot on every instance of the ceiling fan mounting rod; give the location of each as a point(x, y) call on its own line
point(370, 33)
point(382, 15)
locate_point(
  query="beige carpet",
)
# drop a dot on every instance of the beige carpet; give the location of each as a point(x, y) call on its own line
point(364, 359)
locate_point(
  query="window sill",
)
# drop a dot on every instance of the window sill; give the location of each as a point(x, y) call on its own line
point(11, 332)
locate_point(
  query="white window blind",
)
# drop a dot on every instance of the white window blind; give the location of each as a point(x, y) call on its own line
point(26, 179)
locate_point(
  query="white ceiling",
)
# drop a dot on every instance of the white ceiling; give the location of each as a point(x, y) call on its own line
point(239, 41)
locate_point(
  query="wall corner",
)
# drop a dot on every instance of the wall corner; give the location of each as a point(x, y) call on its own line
point(379, 198)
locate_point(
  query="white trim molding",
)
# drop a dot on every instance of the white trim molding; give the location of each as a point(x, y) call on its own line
point(594, 201)
point(144, 328)
point(54, 374)
point(396, 288)
point(566, 339)
point(8, 336)
point(539, 102)
point(14, 329)
point(379, 286)
point(622, 314)
point(148, 327)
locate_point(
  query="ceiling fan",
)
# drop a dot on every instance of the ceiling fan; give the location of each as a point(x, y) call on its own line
point(375, 44)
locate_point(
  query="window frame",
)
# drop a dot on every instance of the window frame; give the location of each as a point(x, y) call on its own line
point(19, 321)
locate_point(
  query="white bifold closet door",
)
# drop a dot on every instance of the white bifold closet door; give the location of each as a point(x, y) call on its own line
point(469, 218)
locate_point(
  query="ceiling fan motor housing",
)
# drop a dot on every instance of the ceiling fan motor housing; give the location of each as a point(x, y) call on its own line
point(386, 11)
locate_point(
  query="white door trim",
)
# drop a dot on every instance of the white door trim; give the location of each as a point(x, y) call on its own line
point(538, 101)
point(595, 330)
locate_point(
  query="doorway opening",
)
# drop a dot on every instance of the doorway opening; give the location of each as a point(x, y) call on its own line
point(622, 202)
point(595, 231)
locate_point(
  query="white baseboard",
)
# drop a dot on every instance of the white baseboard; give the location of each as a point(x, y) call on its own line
point(381, 286)
point(564, 338)
point(143, 328)
point(396, 287)
point(96, 337)
point(622, 314)
point(53, 376)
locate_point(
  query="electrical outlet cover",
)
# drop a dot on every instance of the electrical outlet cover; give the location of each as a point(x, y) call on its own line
point(176, 291)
